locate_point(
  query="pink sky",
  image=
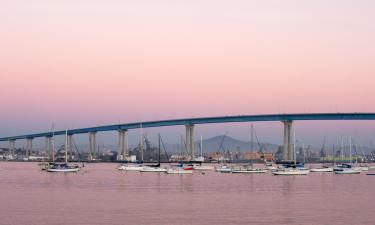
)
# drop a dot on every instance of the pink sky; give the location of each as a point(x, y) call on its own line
point(83, 63)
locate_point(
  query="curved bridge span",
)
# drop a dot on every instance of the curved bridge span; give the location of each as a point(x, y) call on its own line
point(287, 119)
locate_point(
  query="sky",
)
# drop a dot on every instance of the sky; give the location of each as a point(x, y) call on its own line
point(81, 63)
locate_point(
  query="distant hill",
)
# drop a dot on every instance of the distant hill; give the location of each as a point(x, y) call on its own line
point(213, 144)
point(209, 145)
point(228, 143)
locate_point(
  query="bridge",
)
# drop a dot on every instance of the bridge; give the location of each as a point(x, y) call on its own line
point(189, 123)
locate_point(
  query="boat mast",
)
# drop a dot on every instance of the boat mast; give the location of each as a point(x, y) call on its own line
point(53, 143)
point(294, 148)
point(159, 151)
point(342, 150)
point(66, 146)
point(182, 154)
point(323, 150)
point(350, 150)
point(141, 144)
point(304, 153)
point(252, 144)
point(201, 146)
point(356, 153)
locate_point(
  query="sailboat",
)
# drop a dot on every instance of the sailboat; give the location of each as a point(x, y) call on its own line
point(342, 165)
point(134, 166)
point(200, 166)
point(179, 170)
point(360, 166)
point(224, 169)
point(250, 168)
point(323, 168)
point(347, 168)
point(63, 167)
point(154, 168)
point(292, 170)
point(131, 167)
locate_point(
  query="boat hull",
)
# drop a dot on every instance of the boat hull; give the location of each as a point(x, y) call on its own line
point(348, 171)
point(132, 168)
point(203, 168)
point(172, 171)
point(291, 172)
point(330, 169)
point(222, 170)
point(155, 170)
point(249, 171)
point(361, 168)
point(68, 170)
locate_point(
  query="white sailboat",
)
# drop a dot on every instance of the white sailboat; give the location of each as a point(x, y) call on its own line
point(360, 166)
point(178, 170)
point(154, 168)
point(63, 167)
point(323, 168)
point(224, 169)
point(326, 169)
point(342, 165)
point(131, 167)
point(348, 169)
point(200, 166)
point(203, 167)
point(250, 168)
point(292, 171)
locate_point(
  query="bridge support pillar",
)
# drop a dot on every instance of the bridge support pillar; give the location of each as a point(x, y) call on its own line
point(190, 140)
point(287, 150)
point(29, 147)
point(122, 145)
point(12, 147)
point(92, 138)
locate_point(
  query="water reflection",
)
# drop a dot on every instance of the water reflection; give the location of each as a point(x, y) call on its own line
point(104, 195)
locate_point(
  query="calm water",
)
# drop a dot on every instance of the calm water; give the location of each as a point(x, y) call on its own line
point(100, 194)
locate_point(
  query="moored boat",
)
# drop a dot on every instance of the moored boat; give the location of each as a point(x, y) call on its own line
point(224, 169)
point(203, 167)
point(341, 167)
point(43, 166)
point(178, 171)
point(292, 168)
point(269, 166)
point(326, 169)
point(249, 170)
point(131, 167)
point(153, 169)
point(347, 168)
point(290, 171)
point(62, 167)
point(347, 171)
point(360, 168)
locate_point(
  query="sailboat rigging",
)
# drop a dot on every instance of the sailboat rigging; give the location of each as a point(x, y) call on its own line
point(63, 167)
